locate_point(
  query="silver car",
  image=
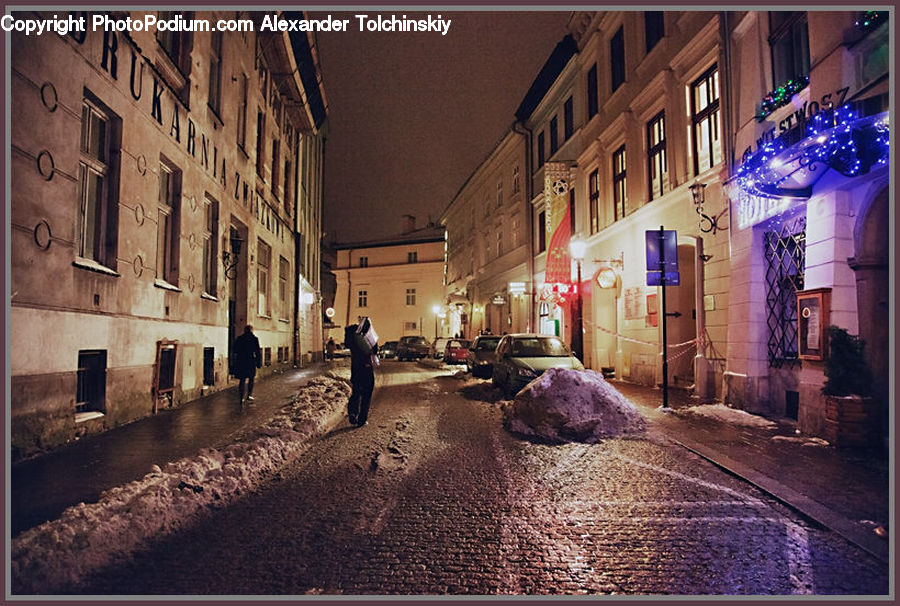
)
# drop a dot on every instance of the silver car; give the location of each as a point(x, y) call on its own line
point(522, 357)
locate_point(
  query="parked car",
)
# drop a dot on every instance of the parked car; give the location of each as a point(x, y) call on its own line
point(480, 357)
point(437, 348)
point(522, 357)
point(412, 347)
point(388, 350)
point(455, 351)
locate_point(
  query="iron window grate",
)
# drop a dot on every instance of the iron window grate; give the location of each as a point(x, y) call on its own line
point(785, 260)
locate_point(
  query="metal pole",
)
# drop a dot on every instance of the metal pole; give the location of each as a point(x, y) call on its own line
point(665, 360)
point(580, 326)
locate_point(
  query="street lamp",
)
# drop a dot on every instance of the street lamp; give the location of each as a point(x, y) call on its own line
point(577, 248)
point(436, 309)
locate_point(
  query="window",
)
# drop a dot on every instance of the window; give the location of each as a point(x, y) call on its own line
point(284, 270)
point(499, 193)
point(242, 112)
point(540, 149)
point(785, 261)
point(260, 141)
point(412, 257)
point(286, 187)
point(568, 120)
point(409, 326)
point(499, 243)
point(263, 265)
point(177, 46)
point(364, 261)
point(705, 119)
point(617, 59)
point(168, 225)
point(267, 356)
point(276, 158)
point(363, 298)
point(98, 172)
point(789, 41)
point(410, 296)
point(209, 365)
point(654, 28)
point(620, 190)
point(542, 231)
point(210, 244)
point(164, 372)
point(594, 200)
point(91, 388)
point(593, 104)
point(554, 135)
point(215, 72)
point(656, 155)
point(516, 185)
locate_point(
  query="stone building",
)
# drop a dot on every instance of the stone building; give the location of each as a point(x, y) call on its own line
point(488, 248)
point(155, 180)
point(761, 139)
point(809, 194)
point(614, 146)
point(396, 281)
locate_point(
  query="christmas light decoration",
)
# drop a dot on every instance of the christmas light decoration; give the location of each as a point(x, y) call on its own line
point(837, 139)
point(869, 20)
point(780, 97)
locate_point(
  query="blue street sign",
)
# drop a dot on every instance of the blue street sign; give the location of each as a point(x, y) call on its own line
point(665, 251)
point(654, 278)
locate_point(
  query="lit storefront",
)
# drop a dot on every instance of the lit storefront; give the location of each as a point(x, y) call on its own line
point(810, 204)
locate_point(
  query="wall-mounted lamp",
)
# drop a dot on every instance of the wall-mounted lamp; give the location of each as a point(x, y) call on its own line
point(230, 259)
point(707, 223)
point(698, 193)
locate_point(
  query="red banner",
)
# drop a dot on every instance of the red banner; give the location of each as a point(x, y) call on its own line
point(559, 266)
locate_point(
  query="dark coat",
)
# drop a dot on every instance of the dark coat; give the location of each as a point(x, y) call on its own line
point(247, 356)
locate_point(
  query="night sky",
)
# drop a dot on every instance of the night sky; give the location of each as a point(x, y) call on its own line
point(412, 114)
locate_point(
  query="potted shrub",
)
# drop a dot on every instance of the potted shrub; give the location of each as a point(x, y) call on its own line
point(849, 417)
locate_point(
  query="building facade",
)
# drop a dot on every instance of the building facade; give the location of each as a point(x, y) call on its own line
point(154, 181)
point(488, 288)
point(809, 192)
point(397, 282)
point(757, 142)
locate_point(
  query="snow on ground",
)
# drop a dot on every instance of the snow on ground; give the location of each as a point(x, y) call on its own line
point(86, 537)
point(720, 412)
point(572, 405)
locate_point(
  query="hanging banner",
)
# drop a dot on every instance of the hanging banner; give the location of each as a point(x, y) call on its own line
point(559, 228)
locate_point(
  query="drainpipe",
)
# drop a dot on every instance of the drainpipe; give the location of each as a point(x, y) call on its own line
point(521, 129)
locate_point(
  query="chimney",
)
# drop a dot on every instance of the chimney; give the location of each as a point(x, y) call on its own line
point(409, 224)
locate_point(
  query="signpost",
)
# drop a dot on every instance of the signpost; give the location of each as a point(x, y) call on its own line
point(662, 270)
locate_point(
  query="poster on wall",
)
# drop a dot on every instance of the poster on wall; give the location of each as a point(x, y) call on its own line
point(812, 322)
point(634, 299)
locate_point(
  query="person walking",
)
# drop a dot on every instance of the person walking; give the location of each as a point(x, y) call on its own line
point(362, 375)
point(329, 349)
point(247, 358)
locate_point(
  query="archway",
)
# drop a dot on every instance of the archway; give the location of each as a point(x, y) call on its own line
point(871, 264)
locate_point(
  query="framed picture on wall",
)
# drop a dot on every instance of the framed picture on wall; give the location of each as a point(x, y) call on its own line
point(813, 309)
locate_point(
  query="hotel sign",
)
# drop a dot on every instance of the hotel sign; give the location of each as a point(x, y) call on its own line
point(753, 209)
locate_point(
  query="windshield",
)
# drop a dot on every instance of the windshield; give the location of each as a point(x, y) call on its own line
point(413, 340)
point(488, 344)
point(539, 347)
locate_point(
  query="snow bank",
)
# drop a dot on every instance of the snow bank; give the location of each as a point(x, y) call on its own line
point(572, 405)
point(86, 537)
point(720, 412)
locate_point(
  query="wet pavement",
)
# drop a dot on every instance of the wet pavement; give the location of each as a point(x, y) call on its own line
point(846, 491)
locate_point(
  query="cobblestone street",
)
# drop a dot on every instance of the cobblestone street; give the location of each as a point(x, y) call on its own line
point(435, 497)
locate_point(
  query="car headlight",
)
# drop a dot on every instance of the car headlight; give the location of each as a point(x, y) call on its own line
point(526, 372)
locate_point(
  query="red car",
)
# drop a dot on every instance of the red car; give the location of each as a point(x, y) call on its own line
point(455, 351)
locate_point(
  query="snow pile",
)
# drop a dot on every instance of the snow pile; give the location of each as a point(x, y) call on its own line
point(572, 405)
point(86, 537)
point(720, 412)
